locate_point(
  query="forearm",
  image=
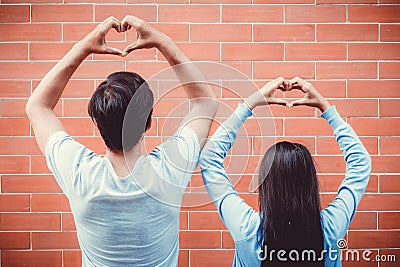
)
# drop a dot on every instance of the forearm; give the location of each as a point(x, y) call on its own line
point(49, 90)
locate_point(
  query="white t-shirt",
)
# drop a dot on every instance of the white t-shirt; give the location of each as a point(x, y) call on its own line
point(131, 221)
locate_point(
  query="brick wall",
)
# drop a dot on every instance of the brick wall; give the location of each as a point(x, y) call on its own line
point(349, 47)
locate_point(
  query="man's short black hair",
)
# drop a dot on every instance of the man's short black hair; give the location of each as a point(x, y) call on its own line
point(111, 101)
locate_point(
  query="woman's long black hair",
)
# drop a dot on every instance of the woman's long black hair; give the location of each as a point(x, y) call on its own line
point(290, 207)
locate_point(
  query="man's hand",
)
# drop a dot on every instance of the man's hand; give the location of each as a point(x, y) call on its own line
point(95, 41)
point(147, 36)
point(312, 97)
point(264, 96)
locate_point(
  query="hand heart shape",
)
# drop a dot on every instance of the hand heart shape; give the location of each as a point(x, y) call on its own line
point(147, 36)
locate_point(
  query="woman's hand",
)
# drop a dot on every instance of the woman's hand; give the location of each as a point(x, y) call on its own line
point(95, 41)
point(312, 97)
point(264, 96)
point(147, 35)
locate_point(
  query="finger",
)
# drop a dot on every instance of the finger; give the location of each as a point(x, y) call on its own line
point(131, 21)
point(111, 22)
point(131, 47)
point(278, 101)
point(113, 51)
point(299, 102)
point(305, 86)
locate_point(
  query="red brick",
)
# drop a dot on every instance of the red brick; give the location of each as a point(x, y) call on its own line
point(204, 239)
point(178, 32)
point(284, 32)
point(252, 51)
point(188, 13)
point(12, 107)
point(72, 258)
point(315, 14)
point(75, 107)
point(374, 13)
point(54, 240)
point(161, 1)
point(385, 164)
point(389, 220)
point(211, 258)
point(227, 240)
point(298, 111)
point(356, 108)
point(13, 51)
point(24, 70)
point(252, 13)
point(220, 32)
point(390, 145)
point(284, 1)
point(19, 146)
point(330, 164)
point(374, 88)
point(364, 221)
point(29, 184)
point(271, 70)
point(347, 32)
point(15, 88)
point(62, 13)
point(390, 32)
point(198, 51)
point(68, 222)
point(340, 70)
point(378, 51)
point(78, 126)
point(389, 183)
point(376, 239)
point(331, 182)
point(389, 107)
point(30, 32)
point(77, 31)
point(392, 257)
point(30, 221)
point(31, 258)
point(183, 258)
point(327, 88)
point(39, 165)
point(50, 203)
point(14, 240)
point(381, 202)
point(184, 220)
point(307, 127)
point(145, 12)
point(347, 1)
point(13, 202)
point(389, 70)
point(315, 51)
point(48, 51)
point(98, 69)
point(14, 164)
point(205, 221)
point(14, 13)
point(329, 146)
point(381, 126)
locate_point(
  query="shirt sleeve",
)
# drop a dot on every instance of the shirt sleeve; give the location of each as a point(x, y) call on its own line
point(341, 210)
point(64, 156)
point(239, 218)
point(177, 158)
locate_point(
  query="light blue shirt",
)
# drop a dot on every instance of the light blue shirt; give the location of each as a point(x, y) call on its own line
point(131, 221)
point(243, 222)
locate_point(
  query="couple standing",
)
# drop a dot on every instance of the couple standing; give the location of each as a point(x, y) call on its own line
point(126, 205)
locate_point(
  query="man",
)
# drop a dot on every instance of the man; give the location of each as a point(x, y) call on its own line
point(125, 205)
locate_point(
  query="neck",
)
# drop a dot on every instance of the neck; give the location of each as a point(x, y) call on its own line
point(124, 161)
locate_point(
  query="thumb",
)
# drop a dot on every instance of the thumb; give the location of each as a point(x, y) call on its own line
point(131, 47)
point(299, 102)
point(113, 51)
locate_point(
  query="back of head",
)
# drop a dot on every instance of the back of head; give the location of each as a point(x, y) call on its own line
point(290, 206)
point(122, 94)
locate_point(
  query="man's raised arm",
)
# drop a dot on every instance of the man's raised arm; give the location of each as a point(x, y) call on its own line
point(46, 95)
point(203, 99)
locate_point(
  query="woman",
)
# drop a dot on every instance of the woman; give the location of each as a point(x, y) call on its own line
point(290, 229)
